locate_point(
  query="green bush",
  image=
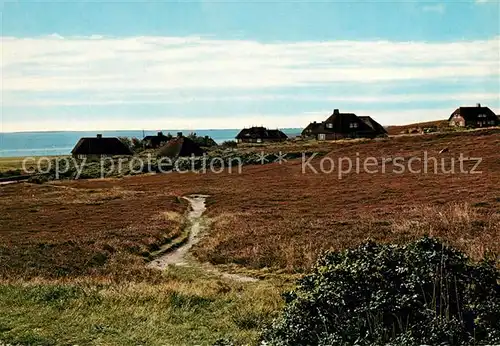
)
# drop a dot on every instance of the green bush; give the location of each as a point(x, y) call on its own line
point(135, 144)
point(11, 173)
point(229, 144)
point(420, 293)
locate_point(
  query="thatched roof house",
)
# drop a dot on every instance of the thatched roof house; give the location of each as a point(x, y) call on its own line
point(313, 128)
point(344, 125)
point(180, 147)
point(379, 129)
point(259, 134)
point(473, 117)
point(157, 141)
point(100, 146)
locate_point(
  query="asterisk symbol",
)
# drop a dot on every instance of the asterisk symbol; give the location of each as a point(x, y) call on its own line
point(262, 157)
point(281, 158)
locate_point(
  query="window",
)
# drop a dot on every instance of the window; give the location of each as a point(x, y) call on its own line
point(259, 140)
point(321, 137)
point(482, 115)
point(353, 125)
point(329, 125)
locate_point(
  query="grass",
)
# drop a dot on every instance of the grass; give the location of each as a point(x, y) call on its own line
point(268, 216)
point(14, 164)
point(439, 124)
point(274, 216)
point(188, 308)
point(54, 231)
point(74, 251)
point(11, 163)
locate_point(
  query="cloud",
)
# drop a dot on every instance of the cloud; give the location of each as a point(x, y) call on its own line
point(165, 63)
point(185, 82)
point(439, 8)
point(167, 122)
point(275, 120)
point(109, 99)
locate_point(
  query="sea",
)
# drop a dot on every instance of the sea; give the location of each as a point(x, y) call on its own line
point(24, 144)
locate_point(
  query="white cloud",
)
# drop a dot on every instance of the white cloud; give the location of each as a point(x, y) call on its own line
point(55, 71)
point(166, 122)
point(113, 98)
point(390, 117)
point(164, 63)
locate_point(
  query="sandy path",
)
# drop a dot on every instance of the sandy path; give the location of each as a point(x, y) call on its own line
point(196, 226)
point(178, 256)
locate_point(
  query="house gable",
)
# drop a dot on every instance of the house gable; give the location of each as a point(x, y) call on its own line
point(100, 146)
point(473, 116)
point(339, 125)
point(260, 134)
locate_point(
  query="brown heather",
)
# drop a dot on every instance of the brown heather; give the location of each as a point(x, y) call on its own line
point(269, 216)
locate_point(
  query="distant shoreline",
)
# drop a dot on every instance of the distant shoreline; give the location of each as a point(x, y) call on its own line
point(56, 143)
point(138, 131)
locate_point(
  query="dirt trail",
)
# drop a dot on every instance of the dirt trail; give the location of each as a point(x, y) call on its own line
point(196, 227)
point(178, 256)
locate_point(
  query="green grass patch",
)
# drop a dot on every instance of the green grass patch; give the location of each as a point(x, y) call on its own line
point(192, 307)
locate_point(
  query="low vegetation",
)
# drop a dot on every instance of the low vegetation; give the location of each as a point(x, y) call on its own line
point(10, 164)
point(75, 251)
point(136, 145)
point(420, 293)
point(188, 307)
point(13, 166)
point(54, 232)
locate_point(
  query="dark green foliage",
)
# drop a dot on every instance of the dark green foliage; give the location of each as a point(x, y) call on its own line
point(56, 295)
point(38, 179)
point(202, 141)
point(135, 144)
point(229, 144)
point(185, 301)
point(420, 293)
point(31, 338)
point(224, 342)
point(11, 173)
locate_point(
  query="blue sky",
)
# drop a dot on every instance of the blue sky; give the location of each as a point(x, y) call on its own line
point(228, 64)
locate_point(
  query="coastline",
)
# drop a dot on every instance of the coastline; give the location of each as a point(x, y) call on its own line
point(56, 143)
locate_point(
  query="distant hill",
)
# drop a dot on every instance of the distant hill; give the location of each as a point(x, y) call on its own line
point(399, 129)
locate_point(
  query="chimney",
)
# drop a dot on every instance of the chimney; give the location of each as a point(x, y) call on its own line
point(99, 135)
point(160, 134)
point(336, 111)
point(478, 105)
point(179, 134)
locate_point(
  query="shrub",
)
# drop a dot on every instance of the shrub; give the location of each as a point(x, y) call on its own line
point(202, 141)
point(135, 144)
point(229, 144)
point(11, 173)
point(420, 293)
point(38, 179)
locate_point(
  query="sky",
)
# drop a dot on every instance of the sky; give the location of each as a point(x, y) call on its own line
point(118, 65)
